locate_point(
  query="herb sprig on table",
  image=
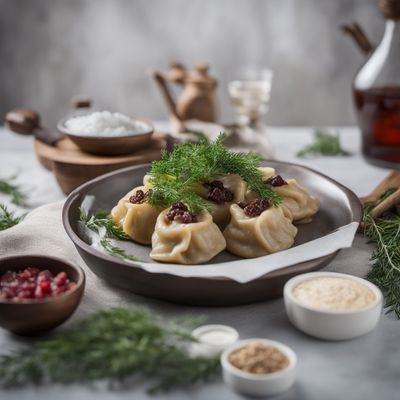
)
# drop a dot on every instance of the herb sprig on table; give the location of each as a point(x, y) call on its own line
point(385, 259)
point(113, 344)
point(8, 218)
point(178, 176)
point(326, 144)
point(8, 187)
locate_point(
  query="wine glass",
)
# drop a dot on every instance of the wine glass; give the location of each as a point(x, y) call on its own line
point(250, 94)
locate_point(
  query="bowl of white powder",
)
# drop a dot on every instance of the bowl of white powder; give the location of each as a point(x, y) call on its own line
point(106, 133)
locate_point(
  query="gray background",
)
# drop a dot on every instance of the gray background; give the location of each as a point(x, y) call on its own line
point(51, 50)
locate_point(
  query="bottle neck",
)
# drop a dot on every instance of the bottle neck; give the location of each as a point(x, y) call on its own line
point(382, 65)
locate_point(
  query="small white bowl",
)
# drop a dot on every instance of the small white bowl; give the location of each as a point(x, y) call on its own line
point(327, 324)
point(259, 384)
point(208, 347)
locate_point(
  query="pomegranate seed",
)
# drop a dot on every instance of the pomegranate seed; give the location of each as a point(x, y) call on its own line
point(31, 283)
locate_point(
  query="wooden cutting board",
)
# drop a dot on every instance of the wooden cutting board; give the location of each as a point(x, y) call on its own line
point(72, 167)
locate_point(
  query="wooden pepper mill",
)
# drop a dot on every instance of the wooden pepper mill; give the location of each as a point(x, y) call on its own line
point(198, 97)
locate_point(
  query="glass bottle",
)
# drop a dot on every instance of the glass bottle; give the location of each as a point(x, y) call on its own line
point(376, 93)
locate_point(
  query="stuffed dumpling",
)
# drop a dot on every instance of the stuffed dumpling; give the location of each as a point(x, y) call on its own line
point(135, 216)
point(298, 205)
point(257, 229)
point(221, 193)
point(185, 238)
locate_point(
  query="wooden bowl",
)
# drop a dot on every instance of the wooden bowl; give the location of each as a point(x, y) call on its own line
point(34, 316)
point(109, 145)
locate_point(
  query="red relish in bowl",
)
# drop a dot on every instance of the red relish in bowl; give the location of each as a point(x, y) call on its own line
point(33, 283)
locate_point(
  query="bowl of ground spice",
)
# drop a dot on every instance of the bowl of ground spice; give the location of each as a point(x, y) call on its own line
point(259, 367)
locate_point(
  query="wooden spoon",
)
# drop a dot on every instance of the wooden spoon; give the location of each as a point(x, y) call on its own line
point(391, 181)
point(27, 122)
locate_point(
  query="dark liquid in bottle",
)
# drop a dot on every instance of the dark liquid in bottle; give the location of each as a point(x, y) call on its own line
point(378, 114)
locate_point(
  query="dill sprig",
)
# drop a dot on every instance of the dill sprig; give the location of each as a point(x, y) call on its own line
point(179, 175)
point(17, 196)
point(113, 345)
point(116, 251)
point(102, 219)
point(8, 218)
point(385, 259)
point(325, 144)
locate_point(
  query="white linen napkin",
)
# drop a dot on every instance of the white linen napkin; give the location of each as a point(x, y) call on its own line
point(42, 232)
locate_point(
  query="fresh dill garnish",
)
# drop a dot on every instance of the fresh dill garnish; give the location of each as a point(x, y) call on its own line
point(102, 220)
point(116, 251)
point(8, 218)
point(385, 259)
point(17, 196)
point(326, 144)
point(112, 345)
point(178, 176)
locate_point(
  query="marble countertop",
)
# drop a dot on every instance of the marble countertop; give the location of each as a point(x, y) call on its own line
point(364, 368)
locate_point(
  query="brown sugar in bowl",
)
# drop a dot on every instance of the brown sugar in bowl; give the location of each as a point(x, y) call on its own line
point(34, 316)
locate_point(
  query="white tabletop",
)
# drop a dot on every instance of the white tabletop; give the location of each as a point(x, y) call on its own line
point(366, 368)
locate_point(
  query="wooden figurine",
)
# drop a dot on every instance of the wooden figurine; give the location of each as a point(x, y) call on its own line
point(198, 97)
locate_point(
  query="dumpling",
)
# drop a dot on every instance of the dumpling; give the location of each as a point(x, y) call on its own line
point(135, 216)
point(146, 180)
point(221, 193)
point(267, 172)
point(251, 236)
point(298, 205)
point(185, 238)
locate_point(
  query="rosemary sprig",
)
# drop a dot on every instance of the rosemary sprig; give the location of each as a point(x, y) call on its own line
point(385, 259)
point(8, 218)
point(17, 196)
point(112, 344)
point(179, 174)
point(326, 144)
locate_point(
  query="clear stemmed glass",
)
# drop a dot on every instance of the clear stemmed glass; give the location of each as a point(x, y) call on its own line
point(250, 94)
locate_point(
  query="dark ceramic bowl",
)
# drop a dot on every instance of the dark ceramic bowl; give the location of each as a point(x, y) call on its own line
point(339, 206)
point(30, 316)
point(109, 145)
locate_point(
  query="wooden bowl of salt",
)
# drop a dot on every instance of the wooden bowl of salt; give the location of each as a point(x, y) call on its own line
point(106, 133)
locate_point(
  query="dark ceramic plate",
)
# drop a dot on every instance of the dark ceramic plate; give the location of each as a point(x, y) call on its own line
point(339, 206)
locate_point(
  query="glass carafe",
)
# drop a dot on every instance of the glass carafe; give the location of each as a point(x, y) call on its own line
point(376, 92)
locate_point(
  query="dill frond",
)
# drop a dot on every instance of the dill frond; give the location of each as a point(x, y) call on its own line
point(8, 218)
point(385, 259)
point(325, 144)
point(176, 176)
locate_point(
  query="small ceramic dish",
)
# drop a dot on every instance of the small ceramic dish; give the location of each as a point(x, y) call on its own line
point(327, 324)
point(109, 145)
point(33, 316)
point(213, 339)
point(259, 384)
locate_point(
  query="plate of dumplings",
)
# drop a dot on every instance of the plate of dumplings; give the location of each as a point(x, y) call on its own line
point(203, 205)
